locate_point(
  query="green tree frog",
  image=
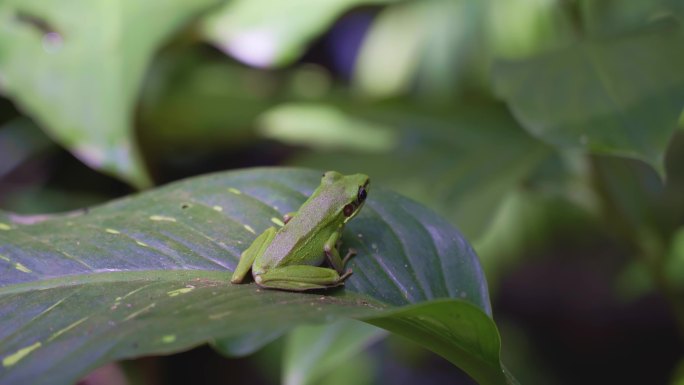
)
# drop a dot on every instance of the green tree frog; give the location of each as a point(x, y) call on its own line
point(289, 258)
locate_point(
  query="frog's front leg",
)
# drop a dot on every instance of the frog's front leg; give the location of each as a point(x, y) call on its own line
point(300, 278)
point(249, 255)
point(333, 254)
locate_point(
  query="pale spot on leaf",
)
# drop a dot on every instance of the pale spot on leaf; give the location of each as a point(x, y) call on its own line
point(135, 314)
point(66, 329)
point(184, 290)
point(17, 265)
point(19, 355)
point(250, 229)
point(22, 268)
point(219, 315)
point(234, 190)
point(169, 338)
point(162, 218)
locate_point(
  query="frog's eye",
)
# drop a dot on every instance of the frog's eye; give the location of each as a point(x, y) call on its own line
point(348, 210)
point(362, 194)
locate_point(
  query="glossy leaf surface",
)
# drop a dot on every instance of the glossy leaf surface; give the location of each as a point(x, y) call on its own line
point(148, 274)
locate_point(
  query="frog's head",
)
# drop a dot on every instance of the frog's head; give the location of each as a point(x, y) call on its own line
point(354, 188)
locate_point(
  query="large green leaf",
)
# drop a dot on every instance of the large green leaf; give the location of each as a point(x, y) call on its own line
point(619, 96)
point(149, 274)
point(76, 67)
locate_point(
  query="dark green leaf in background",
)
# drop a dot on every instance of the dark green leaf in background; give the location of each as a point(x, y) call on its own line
point(149, 274)
point(610, 17)
point(620, 96)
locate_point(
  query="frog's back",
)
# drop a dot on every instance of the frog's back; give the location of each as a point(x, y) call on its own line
point(304, 236)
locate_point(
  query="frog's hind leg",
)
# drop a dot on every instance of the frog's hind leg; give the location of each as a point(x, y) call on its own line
point(300, 278)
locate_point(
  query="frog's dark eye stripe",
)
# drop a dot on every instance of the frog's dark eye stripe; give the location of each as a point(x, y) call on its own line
point(348, 210)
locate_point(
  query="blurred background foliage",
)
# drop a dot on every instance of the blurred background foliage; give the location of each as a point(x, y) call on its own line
point(548, 131)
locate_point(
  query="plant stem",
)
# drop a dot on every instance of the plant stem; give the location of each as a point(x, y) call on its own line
point(647, 243)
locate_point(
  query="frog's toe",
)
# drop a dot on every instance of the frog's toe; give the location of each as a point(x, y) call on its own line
point(346, 275)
